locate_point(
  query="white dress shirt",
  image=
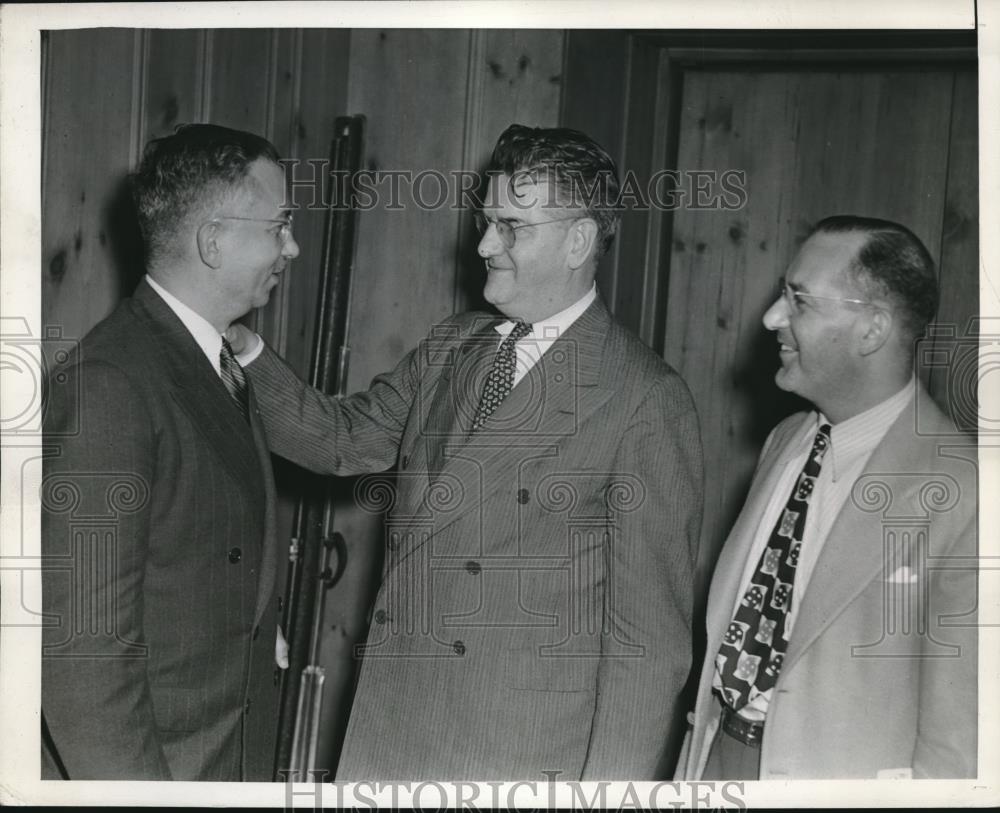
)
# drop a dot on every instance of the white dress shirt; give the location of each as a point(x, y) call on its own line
point(851, 444)
point(201, 330)
point(544, 333)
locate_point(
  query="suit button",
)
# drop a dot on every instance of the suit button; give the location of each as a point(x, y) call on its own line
point(523, 496)
point(458, 647)
point(246, 708)
point(235, 554)
point(381, 616)
point(473, 567)
point(256, 632)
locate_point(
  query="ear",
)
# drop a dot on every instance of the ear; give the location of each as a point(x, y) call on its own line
point(583, 242)
point(877, 330)
point(209, 247)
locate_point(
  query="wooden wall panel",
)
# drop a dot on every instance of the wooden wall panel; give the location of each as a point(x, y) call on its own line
point(411, 85)
point(521, 83)
point(175, 73)
point(812, 143)
point(89, 260)
point(321, 97)
point(514, 77)
point(959, 265)
point(239, 78)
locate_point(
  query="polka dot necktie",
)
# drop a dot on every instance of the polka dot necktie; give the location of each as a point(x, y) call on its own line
point(755, 642)
point(234, 378)
point(501, 379)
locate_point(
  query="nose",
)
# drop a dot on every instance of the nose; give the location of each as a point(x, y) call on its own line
point(490, 244)
point(290, 249)
point(776, 317)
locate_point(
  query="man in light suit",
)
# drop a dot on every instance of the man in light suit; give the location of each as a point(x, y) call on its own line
point(535, 609)
point(159, 655)
point(841, 616)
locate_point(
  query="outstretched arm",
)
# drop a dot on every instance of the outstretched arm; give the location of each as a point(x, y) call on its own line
point(330, 435)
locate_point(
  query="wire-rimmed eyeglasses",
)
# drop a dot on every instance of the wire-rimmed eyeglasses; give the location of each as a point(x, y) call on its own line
point(284, 232)
point(794, 298)
point(506, 231)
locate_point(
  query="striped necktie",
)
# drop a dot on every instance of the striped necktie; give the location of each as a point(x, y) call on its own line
point(234, 378)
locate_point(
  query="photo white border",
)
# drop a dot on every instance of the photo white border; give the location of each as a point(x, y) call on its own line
point(20, 284)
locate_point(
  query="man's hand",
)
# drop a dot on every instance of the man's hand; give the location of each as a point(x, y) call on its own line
point(240, 338)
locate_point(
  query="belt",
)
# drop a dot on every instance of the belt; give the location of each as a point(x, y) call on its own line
point(747, 732)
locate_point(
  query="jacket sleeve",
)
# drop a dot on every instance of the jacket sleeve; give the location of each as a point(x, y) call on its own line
point(328, 434)
point(649, 593)
point(95, 520)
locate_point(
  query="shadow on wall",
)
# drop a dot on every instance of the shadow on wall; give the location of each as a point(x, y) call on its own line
point(121, 225)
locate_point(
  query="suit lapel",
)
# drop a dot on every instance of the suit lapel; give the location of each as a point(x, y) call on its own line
point(545, 408)
point(733, 558)
point(854, 552)
point(197, 388)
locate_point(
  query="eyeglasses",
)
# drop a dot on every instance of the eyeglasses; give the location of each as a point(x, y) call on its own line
point(505, 231)
point(284, 233)
point(794, 298)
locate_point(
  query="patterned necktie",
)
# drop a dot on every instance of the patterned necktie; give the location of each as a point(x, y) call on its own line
point(755, 642)
point(234, 378)
point(501, 379)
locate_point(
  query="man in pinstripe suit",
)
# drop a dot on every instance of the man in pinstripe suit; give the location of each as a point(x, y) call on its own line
point(158, 656)
point(534, 617)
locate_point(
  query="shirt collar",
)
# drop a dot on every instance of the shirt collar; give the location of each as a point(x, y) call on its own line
point(552, 328)
point(860, 434)
point(201, 330)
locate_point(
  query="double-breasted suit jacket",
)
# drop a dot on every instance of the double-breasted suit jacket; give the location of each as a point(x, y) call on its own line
point(535, 608)
point(159, 563)
point(880, 674)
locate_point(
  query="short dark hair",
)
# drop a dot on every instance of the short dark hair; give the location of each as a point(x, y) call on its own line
point(185, 171)
point(581, 169)
point(892, 263)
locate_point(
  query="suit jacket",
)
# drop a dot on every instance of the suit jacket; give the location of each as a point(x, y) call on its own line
point(159, 563)
point(880, 673)
point(535, 608)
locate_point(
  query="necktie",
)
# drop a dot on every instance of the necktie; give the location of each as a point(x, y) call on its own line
point(234, 378)
point(755, 642)
point(501, 378)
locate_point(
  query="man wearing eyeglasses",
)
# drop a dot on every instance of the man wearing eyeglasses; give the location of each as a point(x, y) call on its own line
point(841, 616)
point(158, 499)
point(534, 616)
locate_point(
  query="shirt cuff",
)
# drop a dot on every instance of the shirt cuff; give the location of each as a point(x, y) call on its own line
point(250, 355)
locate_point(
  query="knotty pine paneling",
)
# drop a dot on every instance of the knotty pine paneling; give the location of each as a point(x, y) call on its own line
point(319, 97)
point(175, 74)
point(812, 143)
point(90, 257)
point(514, 77)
